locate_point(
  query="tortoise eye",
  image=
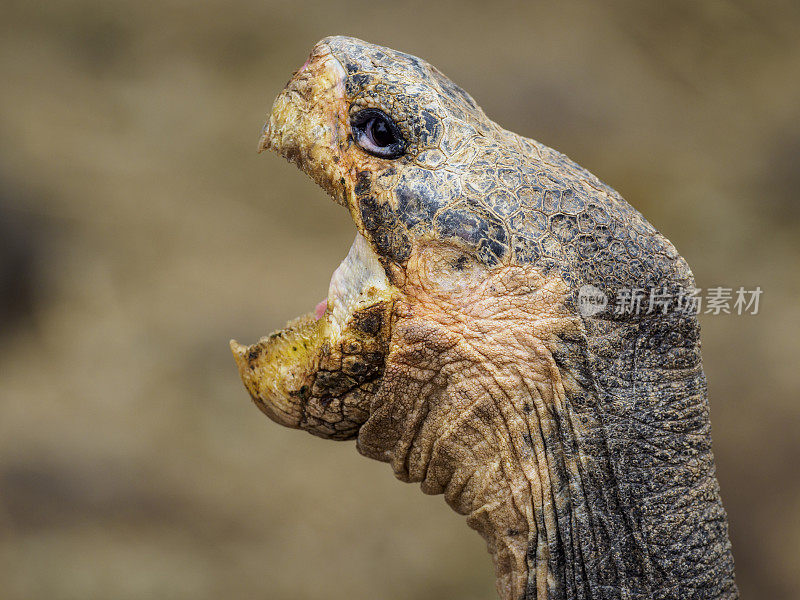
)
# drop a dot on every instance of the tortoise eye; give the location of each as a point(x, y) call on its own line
point(377, 134)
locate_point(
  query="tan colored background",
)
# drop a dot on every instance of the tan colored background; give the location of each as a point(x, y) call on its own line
point(139, 231)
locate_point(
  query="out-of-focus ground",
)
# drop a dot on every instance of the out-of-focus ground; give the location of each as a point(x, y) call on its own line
point(139, 231)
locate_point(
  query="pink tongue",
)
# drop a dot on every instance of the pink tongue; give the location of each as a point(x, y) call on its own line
point(320, 309)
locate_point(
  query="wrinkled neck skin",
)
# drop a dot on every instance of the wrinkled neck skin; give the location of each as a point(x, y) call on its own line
point(478, 404)
point(475, 424)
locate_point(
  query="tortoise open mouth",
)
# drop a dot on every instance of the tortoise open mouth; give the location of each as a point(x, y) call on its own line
point(318, 372)
point(327, 352)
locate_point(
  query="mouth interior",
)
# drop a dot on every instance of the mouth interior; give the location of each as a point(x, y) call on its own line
point(359, 281)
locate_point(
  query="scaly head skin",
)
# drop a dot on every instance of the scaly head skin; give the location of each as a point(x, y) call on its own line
point(452, 345)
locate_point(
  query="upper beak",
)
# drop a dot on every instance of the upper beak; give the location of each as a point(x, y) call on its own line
point(309, 119)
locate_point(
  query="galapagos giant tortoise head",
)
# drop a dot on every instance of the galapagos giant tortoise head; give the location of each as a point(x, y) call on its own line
point(493, 334)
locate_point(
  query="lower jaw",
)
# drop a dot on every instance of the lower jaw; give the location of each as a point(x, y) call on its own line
point(327, 357)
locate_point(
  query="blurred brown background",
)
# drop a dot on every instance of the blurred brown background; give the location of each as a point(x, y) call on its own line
point(139, 231)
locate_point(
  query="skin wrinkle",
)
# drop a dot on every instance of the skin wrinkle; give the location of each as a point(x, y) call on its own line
point(455, 485)
point(542, 562)
point(518, 500)
point(600, 523)
point(637, 536)
point(568, 464)
point(478, 351)
point(439, 455)
point(578, 490)
point(547, 475)
point(453, 428)
point(615, 553)
point(480, 359)
point(578, 447)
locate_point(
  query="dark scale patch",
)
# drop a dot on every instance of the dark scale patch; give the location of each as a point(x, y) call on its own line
point(431, 128)
point(525, 250)
point(351, 67)
point(369, 320)
point(491, 252)
point(360, 369)
point(393, 243)
point(363, 183)
point(334, 383)
point(382, 226)
point(420, 196)
point(373, 213)
point(480, 230)
point(462, 224)
point(351, 346)
point(425, 127)
point(460, 263)
point(356, 82)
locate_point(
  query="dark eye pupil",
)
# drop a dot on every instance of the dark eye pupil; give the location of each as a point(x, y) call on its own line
point(377, 134)
point(380, 133)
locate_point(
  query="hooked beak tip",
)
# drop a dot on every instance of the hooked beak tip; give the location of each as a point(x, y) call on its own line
point(239, 352)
